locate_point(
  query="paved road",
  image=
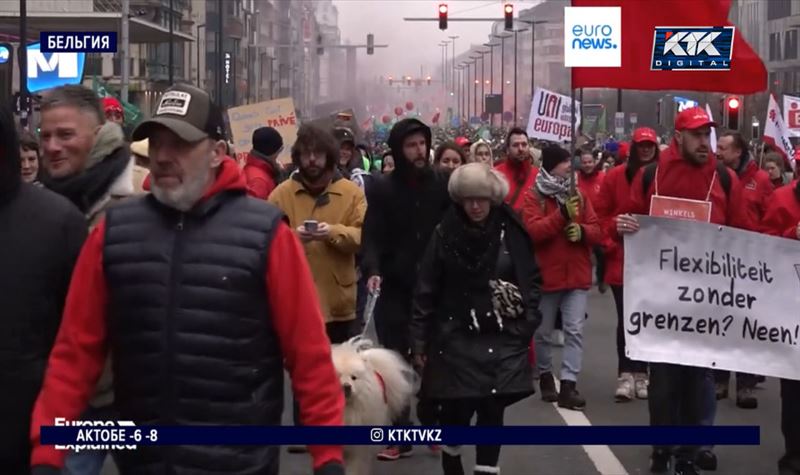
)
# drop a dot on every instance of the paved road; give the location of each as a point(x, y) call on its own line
point(597, 385)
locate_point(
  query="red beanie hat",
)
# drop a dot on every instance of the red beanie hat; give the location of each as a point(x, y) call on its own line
point(111, 103)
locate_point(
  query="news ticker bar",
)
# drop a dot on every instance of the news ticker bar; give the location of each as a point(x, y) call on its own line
point(509, 435)
point(78, 41)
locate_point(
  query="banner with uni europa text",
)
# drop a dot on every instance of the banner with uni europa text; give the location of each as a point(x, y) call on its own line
point(700, 294)
point(550, 116)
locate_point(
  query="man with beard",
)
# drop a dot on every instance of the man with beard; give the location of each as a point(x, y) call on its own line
point(589, 179)
point(41, 237)
point(327, 212)
point(203, 296)
point(517, 167)
point(680, 395)
point(404, 209)
point(88, 162)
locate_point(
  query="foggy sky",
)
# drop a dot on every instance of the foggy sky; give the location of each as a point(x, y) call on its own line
point(414, 44)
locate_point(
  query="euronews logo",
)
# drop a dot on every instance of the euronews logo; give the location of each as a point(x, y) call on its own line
point(592, 37)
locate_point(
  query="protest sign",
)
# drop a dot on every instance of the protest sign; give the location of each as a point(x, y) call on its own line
point(791, 114)
point(550, 116)
point(704, 295)
point(278, 114)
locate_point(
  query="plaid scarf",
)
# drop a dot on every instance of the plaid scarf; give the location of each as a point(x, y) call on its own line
point(552, 186)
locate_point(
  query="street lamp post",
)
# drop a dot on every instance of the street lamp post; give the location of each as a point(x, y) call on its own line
point(202, 25)
point(516, 32)
point(533, 24)
point(475, 82)
point(483, 81)
point(453, 60)
point(171, 42)
point(491, 47)
point(502, 71)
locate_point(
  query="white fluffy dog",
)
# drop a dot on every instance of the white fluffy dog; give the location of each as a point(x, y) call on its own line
point(378, 384)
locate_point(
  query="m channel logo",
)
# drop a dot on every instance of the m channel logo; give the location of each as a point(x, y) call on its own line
point(695, 48)
point(592, 37)
point(49, 70)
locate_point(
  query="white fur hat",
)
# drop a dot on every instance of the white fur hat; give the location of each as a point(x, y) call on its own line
point(477, 180)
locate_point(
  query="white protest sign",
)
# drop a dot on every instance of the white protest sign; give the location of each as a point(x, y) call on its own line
point(278, 114)
point(699, 294)
point(550, 116)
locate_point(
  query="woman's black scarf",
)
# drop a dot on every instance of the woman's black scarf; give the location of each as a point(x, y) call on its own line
point(473, 247)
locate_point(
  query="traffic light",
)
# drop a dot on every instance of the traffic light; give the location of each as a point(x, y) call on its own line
point(370, 43)
point(408, 80)
point(429, 80)
point(508, 9)
point(442, 16)
point(732, 112)
point(320, 49)
point(391, 80)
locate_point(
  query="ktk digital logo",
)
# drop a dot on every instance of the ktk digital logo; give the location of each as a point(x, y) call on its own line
point(697, 48)
point(593, 37)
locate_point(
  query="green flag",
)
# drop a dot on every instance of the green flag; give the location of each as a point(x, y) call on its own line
point(132, 113)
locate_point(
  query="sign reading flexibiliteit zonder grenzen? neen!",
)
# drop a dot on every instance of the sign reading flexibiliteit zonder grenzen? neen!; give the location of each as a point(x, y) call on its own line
point(78, 41)
point(700, 294)
point(692, 48)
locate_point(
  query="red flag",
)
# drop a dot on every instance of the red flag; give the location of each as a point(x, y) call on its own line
point(747, 74)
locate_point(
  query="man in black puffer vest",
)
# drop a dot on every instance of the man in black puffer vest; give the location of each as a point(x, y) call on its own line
point(201, 295)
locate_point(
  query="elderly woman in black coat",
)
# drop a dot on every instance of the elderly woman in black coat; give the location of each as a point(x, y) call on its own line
point(476, 310)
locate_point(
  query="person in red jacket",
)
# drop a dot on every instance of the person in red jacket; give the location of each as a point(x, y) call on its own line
point(261, 169)
point(614, 199)
point(169, 284)
point(517, 167)
point(687, 170)
point(589, 179)
point(756, 190)
point(564, 228)
point(782, 219)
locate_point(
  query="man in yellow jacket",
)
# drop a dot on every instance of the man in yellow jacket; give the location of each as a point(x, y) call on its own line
point(326, 211)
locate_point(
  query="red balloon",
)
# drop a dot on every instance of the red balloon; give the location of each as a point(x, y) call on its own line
point(409, 105)
point(386, 119)
point(398, 111)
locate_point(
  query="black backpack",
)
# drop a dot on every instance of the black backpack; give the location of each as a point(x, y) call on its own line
point(722, 173)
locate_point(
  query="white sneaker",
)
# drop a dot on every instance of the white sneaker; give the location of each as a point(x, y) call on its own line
point(641, 383)
point(625, 391)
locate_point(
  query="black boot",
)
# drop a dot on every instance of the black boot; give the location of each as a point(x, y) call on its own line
point(451, 464)
point(569, 398)
point(686, 467)
point(659, 461)
point(547, 386)
point(706, 460)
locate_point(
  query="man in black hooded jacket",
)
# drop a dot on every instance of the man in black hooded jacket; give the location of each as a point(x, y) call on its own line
point(41, 237)
point(403, 209)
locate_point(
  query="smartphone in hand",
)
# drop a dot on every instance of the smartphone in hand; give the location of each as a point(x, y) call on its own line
point(311, 225)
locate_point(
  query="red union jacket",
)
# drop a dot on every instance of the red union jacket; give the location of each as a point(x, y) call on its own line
point(756, 189)
point(679, 178)
point(565, 265)
point(589, 185)
point(520, 176)
point(80, 348)
point(783, 213)
point(613, 199)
